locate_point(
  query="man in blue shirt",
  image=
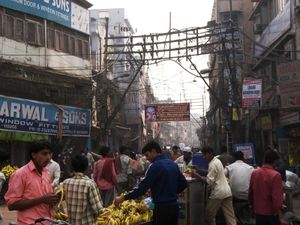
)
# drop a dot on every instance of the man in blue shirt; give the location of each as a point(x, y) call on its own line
point(164, 180)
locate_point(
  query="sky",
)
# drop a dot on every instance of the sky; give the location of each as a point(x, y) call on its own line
point(153, 16)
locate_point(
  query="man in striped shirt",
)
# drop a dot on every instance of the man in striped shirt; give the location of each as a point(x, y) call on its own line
point(83, 199)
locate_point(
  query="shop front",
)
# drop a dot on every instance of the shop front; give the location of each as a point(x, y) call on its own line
point(23, 121)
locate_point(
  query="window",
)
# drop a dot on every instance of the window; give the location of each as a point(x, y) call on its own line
point(79, 48)
point(66, 43)
point(9, 27)
point(31, 32)
point(236, 17)
point(1, 25)
point(50, 38)
point(72, 45)
point(35, 33)
point(58, 40)
point(85, 50)
point(40, 33)
point(19, 30)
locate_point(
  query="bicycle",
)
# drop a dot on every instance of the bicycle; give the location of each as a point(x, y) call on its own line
point(50, 220)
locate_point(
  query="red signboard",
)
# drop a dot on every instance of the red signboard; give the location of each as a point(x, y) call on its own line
point(167, 112)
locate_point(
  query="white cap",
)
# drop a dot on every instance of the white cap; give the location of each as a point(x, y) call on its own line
point(187, 149)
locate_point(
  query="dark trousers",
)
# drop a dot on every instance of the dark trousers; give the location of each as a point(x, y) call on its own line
point(267, 220)
point(165, 215)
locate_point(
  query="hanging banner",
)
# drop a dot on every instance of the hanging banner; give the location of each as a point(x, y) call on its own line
point(167, 112)
point(25, 115)
point(251, 93)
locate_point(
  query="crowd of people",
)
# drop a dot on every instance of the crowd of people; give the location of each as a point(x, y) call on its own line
point(100, 180)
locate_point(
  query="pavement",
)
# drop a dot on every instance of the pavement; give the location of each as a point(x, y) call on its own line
point(10, 216)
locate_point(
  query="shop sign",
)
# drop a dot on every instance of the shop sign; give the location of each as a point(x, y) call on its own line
point(167, 112)
point(251, 93)
point(64, 12)
point(248, 151)
point(289, 83)
point(266, 122)
point(25, 115)
point(287, 118)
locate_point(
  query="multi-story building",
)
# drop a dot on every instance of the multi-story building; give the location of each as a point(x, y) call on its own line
point(45, 88)
point(228, 67)
point(123, 122)
point(276, 27)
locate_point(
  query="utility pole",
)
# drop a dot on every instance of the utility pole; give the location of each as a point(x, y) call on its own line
point(233, 84)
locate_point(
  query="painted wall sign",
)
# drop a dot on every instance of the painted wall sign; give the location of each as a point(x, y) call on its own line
point(24, 115)
point(64, 12)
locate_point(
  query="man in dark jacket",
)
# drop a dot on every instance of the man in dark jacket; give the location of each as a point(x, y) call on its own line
point(164, 180)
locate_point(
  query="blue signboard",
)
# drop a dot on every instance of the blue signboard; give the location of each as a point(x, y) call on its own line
point(24, 115)
point(248, 151)
point(58, 11)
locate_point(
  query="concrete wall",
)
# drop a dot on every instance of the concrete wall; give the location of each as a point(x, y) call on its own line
point(21, 53)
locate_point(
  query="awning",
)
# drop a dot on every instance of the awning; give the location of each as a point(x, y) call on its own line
point(21, 136)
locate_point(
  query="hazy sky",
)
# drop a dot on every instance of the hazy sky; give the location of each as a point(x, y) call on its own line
point(168, 80)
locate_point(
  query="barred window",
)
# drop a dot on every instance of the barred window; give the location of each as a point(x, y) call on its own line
point(40, 35)
point(19, 30)
point(85, 50)
point(1, 25)
point(31, 32)
point(50, 38)
point(9, 27)
point(79, 48)
point(66, 43)
point(58, 40)
point(72, 45)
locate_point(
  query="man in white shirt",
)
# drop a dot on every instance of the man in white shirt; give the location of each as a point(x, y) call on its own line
point(220, 193)
point(124, 170)
point(54, 170)
point(239, 174)
point(185, 160)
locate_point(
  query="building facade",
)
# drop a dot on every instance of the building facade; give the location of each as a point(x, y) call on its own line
point(227, 69)
point(276, 28)
point(45, 65)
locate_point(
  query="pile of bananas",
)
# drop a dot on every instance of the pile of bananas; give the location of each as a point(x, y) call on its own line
point(8, 170)
point(59, 215)
point(130, 212)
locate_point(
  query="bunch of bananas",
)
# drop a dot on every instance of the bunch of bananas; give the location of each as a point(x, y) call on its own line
point(130, 212)
point(59, 215)
point(8, 170)
point(59, 190)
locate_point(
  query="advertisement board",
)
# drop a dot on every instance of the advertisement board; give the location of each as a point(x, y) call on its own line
point(289, 83)
point(25, 115)
point(64, 12)
point(248, 151)
point(251, 93)
point(167, 112)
